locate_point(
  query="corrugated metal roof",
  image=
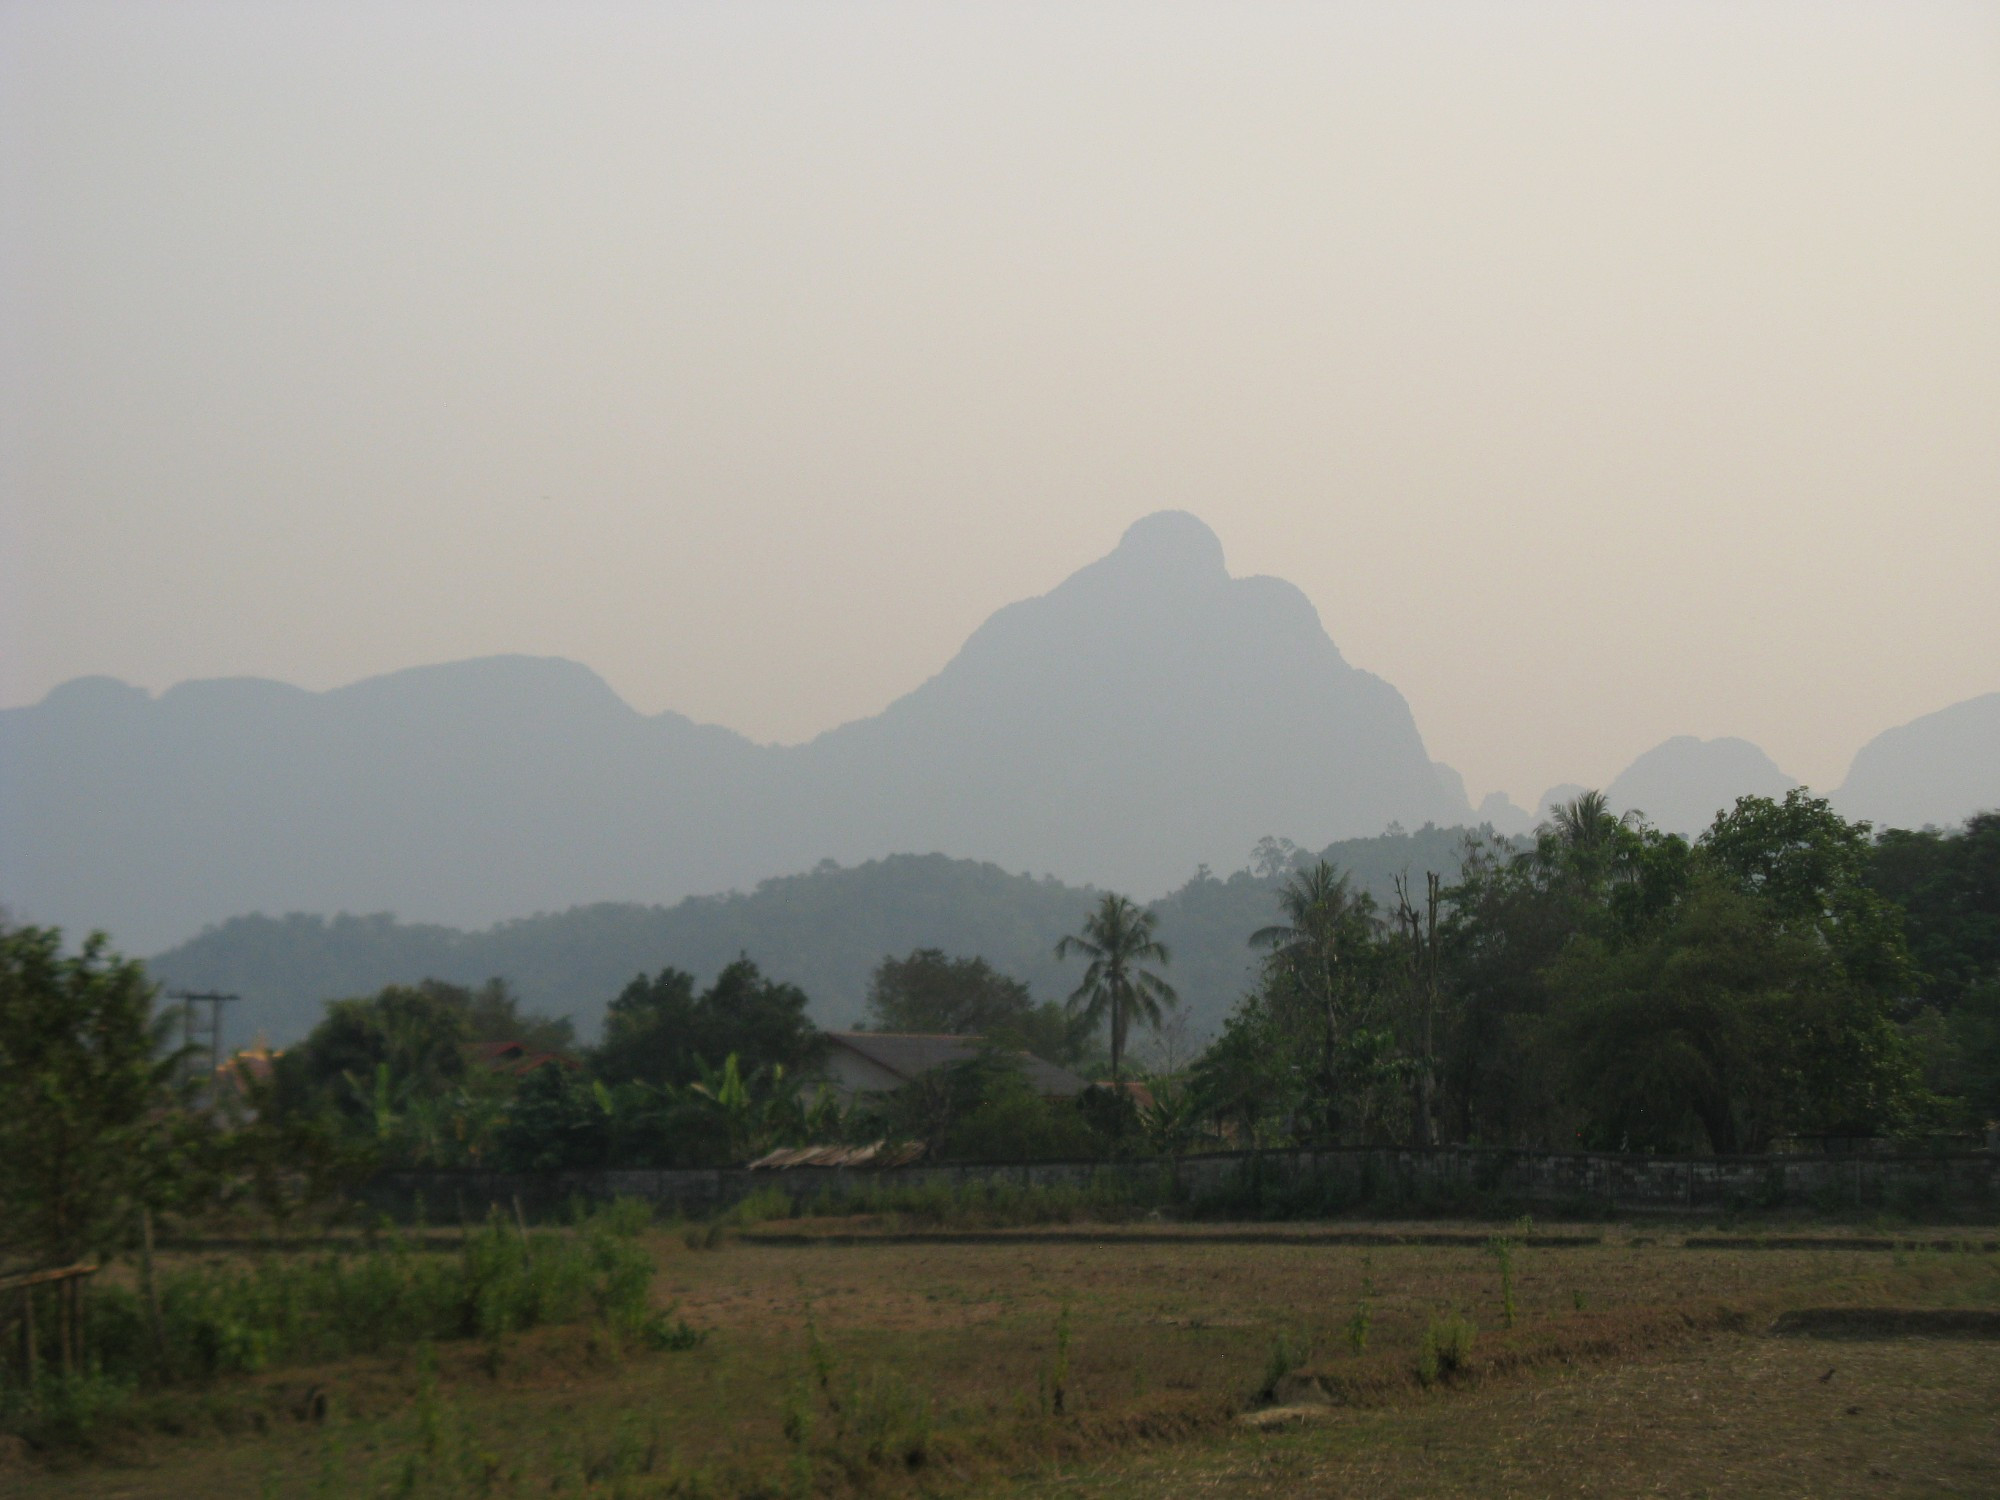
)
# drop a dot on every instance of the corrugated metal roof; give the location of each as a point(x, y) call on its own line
point(874, 1154)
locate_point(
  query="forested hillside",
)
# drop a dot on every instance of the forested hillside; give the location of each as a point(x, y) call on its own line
point(824, 931)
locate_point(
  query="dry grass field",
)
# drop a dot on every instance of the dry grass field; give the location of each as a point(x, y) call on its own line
point(847, 1356)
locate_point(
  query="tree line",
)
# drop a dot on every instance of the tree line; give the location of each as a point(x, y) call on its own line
point(1614, 987)
point(1785, 975)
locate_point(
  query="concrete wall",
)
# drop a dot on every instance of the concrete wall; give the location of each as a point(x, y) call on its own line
point(1252, 1184)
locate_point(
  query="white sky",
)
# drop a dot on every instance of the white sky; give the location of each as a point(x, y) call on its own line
point(1602, 372)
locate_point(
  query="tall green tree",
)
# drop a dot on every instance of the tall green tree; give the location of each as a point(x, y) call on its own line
point(660, 1031)
point(1948, 884)
point(1246, 1080)
point(1809, 868)
point(1118, 937)
point(406, 1042)
point(931, 992)
point(1757, 998)
point(89, 1128)
point(1322, 982)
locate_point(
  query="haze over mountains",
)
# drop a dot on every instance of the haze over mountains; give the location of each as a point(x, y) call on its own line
point(1681, 783)
point(1149, 715)
point(825, 931)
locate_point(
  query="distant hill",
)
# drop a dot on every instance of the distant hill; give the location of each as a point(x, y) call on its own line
point(824, 930)
point(1681, 784)
point(1939, 769)
point(1148, 714)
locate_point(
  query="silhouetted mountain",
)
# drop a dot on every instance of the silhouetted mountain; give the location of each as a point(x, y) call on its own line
point(824, 930)
point(1148, 714)
point(1556, 796)
point(1682, 783)
point(461, 793)
point(1939, 769)
point(1503, 815)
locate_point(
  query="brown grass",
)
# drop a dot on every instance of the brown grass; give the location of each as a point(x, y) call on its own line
point(955, 1339)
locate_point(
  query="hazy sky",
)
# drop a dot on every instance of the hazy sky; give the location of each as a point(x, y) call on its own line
point(1602, 372)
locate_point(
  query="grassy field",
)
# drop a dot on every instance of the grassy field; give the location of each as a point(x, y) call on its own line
point(855, 1355)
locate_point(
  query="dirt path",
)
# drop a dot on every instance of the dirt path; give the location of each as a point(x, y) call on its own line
point(1733, 1416)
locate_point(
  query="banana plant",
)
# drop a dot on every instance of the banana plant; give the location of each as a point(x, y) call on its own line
point(1173, 1117)
point(725, 1089)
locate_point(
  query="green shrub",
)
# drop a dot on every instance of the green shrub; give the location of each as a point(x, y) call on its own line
point(627, 1218)
point(222, 1320)
point(665, 1332)
point(1357, 1327)
point(756, 1208)
point(63, 1410)
point(1445, 1350)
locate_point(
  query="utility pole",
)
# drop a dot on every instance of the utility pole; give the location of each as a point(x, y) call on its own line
point(216, 1000)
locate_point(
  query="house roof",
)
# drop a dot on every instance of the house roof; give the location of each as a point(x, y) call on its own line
point(910, 1054)
point(875, 1154)
point(515, 1058)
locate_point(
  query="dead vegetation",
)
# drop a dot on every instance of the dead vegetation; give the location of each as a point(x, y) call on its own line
point(861, 1363)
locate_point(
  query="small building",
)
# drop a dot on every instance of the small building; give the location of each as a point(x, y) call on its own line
point(880, 1062)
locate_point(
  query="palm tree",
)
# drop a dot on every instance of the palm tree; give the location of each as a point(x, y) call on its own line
point(1582, 840)
point(1319, 970)
point(1584, 822)
point(1117, 938)
point(1323, 915)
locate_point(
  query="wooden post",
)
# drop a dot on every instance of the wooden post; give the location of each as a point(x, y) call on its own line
point(151, 1288)
point(63, 1309)
point(521, 1223)
point(69, 1314)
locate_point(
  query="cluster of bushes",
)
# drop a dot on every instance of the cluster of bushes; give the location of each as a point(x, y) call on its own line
point(413, 1076)
point(226, 1317)
point(1614, 987)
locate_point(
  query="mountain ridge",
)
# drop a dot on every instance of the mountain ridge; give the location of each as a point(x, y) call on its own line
point(1148, 714)
point(824, 930)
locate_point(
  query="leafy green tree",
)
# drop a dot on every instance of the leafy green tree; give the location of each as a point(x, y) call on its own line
point(1009, 1121)
point(1757, 1000)
point(1420, 1007)
point(930, 1106)
point(659, 1031)
point(1727, 1028)
point(1948, 885)
point(1117, 938)
point(1247, 1081)
point(653, 1032)
point(493, 1014)
point(1513, 914)
point(930, 992)
point(1809, 868)
point(1322, 986)
point(89, 1129)
point(555, 1121)
point(390, 1076)
point(370, 1055)
point(1974, 1031)
point(1669, 1038)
